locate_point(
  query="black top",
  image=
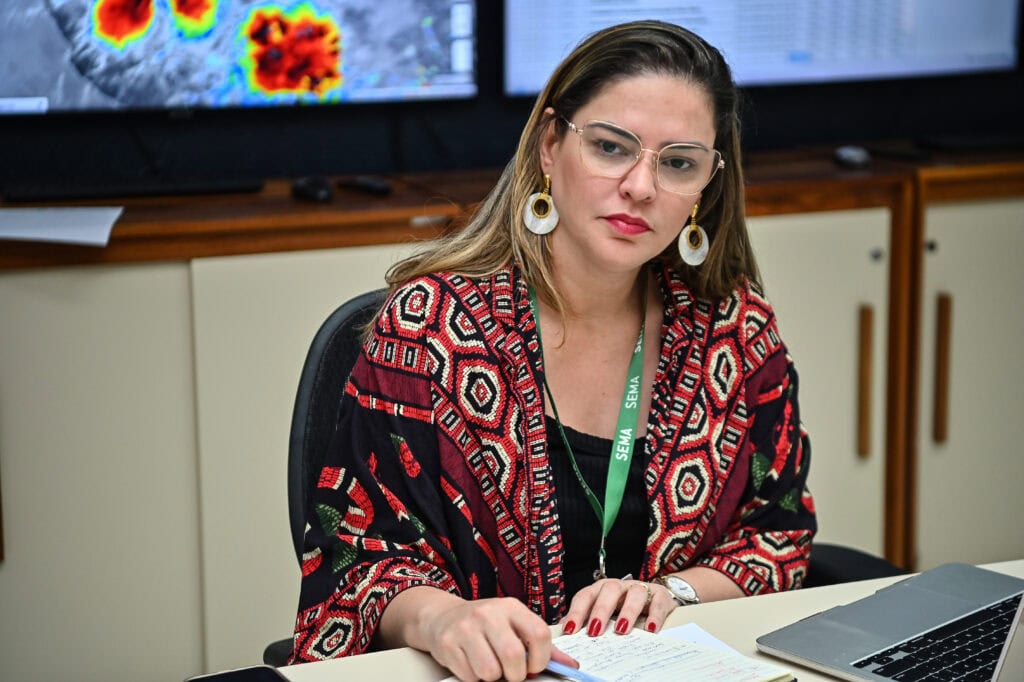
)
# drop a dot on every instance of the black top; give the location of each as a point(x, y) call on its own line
point(581, 529)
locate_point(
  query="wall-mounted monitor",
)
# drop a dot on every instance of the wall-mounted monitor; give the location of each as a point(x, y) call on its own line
point(784, 42)
point(71, 56)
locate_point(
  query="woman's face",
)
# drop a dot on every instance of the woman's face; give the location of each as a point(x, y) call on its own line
point(618, 224)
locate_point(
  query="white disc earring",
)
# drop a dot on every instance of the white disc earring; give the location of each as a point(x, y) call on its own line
point(540, 214)
point(693, 241)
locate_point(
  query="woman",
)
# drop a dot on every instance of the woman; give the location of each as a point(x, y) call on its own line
point(577, 409)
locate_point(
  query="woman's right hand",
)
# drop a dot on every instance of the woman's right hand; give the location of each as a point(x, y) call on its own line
point(485, 639)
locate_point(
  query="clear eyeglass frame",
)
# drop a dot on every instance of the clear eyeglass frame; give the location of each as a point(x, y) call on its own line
point(718, 161)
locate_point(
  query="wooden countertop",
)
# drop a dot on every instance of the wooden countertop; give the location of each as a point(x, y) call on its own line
point(185, 227)
point(423, 205)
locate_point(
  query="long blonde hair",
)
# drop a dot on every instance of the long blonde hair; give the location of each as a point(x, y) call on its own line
point(495, 236)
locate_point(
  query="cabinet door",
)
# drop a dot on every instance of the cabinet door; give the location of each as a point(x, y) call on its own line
point(254, 319)
point(820, 270)
point(100, 577)
point(970, 503)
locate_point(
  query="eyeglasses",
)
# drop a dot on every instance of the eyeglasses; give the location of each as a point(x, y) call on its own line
point(610, 152)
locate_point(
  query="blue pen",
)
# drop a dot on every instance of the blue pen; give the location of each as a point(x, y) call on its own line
point(571, 673)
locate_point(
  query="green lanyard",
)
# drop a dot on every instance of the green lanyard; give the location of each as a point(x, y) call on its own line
point(622, 445)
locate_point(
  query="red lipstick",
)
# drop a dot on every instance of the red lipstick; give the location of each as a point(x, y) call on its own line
point(627, 224)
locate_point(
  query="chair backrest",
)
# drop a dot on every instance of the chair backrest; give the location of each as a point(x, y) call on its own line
point(329, 362)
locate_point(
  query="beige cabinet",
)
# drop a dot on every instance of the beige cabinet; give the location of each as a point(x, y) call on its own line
point(254, 318)
point(144, 421)
point(826, 274)
point(100, 577)
point(970, 469)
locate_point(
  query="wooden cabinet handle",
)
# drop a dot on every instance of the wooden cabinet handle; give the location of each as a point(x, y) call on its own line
point(865, 371)
point(943, 343)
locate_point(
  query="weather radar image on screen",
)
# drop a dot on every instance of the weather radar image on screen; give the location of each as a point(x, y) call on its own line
point(83, 55)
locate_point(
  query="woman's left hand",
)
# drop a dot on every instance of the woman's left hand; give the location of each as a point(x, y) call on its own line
point(625, 600)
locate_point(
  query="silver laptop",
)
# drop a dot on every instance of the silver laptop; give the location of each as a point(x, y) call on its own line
point(954, 622)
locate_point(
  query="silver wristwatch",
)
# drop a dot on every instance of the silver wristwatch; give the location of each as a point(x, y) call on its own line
point(682, 591)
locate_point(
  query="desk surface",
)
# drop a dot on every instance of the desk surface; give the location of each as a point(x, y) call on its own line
point(737, 622)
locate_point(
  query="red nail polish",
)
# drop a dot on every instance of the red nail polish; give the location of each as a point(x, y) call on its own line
point(651, 627)
point(622, 626)
point(568, 628)
point(595, 628)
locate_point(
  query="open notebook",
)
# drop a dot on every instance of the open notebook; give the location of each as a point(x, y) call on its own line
point(954, 622)
point(641, 655)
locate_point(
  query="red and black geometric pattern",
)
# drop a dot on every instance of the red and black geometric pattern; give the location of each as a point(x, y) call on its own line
point(438, 474)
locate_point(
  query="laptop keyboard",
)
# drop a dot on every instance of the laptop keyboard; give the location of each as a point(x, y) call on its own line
point(966, 649)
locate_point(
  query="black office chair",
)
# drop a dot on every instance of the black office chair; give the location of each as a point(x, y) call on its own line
point(329, 361)
point(833, 564)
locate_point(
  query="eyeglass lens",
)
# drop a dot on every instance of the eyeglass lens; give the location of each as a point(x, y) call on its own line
point(610, 151)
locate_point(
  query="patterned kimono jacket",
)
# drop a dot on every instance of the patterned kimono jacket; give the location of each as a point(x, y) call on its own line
point(438, 473)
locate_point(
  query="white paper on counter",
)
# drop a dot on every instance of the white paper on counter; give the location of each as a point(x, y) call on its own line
point(88, 225)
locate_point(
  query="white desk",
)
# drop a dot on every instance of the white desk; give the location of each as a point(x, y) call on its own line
point(737, 622)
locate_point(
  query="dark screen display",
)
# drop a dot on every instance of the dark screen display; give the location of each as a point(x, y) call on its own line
point(87, 55)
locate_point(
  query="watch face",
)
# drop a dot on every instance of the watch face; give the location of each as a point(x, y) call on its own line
point(682, 589)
